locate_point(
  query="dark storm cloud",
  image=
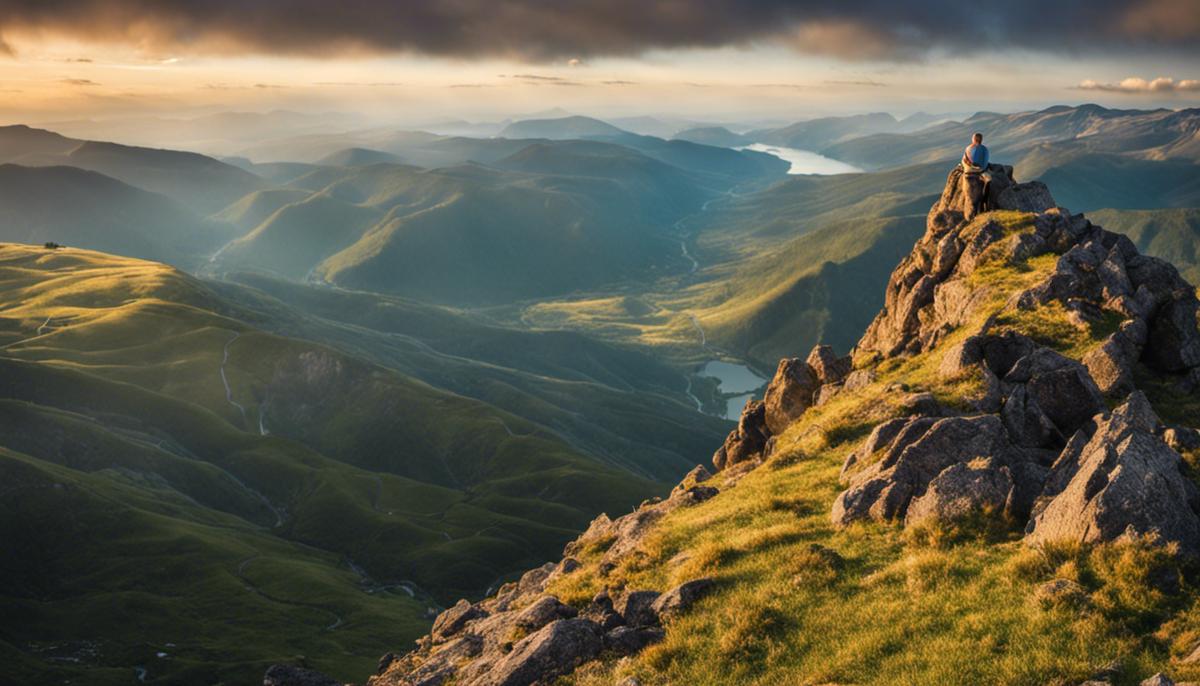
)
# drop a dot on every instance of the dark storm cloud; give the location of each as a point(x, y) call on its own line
point(540, 30)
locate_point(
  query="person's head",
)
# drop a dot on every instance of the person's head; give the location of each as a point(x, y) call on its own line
point(977, 138)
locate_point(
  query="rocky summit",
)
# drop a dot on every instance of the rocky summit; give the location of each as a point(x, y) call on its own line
point(1030, 374)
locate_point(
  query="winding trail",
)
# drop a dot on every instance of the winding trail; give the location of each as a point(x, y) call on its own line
point(225, 378)
point(241, 575)
point(38, 334)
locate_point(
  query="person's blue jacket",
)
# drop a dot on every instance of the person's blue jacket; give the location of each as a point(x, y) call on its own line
point(977, 154)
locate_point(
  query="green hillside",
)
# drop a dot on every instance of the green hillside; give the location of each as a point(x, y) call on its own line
point(152, 392)
point(85, 209)
point(202, 183)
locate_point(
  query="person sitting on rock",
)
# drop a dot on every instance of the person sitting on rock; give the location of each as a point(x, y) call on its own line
point(975, 178)
point(975, 157)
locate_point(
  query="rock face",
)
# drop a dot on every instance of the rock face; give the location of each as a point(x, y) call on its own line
point(928, 452)
point(522, 635)
point(1042, 443)
point(1123, 480)
point(797, 385)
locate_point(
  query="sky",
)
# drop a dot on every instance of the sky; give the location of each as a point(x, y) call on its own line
point(712, 60)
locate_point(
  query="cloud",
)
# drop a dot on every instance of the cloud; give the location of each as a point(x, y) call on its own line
point(537, 31)
point(864, 82)
point(6, 50)
point(619, 82)
point(78, 82)
point(1137, 85)
point(540, 79)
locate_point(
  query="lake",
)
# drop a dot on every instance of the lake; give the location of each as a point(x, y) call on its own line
point(804, 161)
point(733, 378)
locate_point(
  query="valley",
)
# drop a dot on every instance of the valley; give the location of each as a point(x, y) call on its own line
point(319, 389)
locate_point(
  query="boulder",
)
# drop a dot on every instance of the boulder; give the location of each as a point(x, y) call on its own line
point(679, 599)
point(636, 607)
point(543, 611)
point(829, 368)
point(602, 612)
point(1111, 364)
point(962, 489)
point(287, 675)
point(454, 620)
point(1122, 480)
point(1061, 387)
point(789, 394)
point(1174, 342)
point(747, 441)
point(554, 650)
point(628, 640)
point(1158, 679)
point(1026, 423)
point(883, 490)
point(1060, 593)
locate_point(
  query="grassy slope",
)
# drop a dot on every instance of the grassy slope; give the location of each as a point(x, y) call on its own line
point(123, 385)
point(616, 404)
point(917, 607)
point(85, 209)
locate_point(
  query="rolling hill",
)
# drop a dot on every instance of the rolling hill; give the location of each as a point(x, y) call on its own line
point(81, 208)
point(267, 460)
point(202, 183)
point(561, 128)
point(550, 218)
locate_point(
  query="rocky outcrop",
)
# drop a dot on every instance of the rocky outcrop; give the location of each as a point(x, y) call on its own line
point(748, 440)
point(797, 385)
point(523, 635)
point(791, 392)
point(1122, 480)
point(942, 453)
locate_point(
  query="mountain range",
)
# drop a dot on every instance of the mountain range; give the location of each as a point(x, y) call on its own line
point(300, 400)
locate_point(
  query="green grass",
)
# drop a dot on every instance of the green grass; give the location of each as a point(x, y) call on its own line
point(121, 394)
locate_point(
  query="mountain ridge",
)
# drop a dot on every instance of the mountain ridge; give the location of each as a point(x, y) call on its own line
point(977, 401)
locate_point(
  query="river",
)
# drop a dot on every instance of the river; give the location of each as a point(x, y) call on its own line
point(733, 378)
point(804, 161)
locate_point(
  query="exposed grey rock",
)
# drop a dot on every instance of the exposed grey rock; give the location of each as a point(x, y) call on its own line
point(859, 378)
point(1158, 679)
point(637, 608)
point(455, 619)
point(789, 394)
point(543, 611)
point(1112, 363)
point(679, 599)
point(1061, 592)
point(829, 368)
point(880, 437)
point(1123, 480)
point(1061, 387)
point(628, 640)
point(1026, 423)
point(747, 441)
point(602, 612)
point(884, 489)
point(287, 675)
point(962, 489)
point(1174, 342)
point(554, 650)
